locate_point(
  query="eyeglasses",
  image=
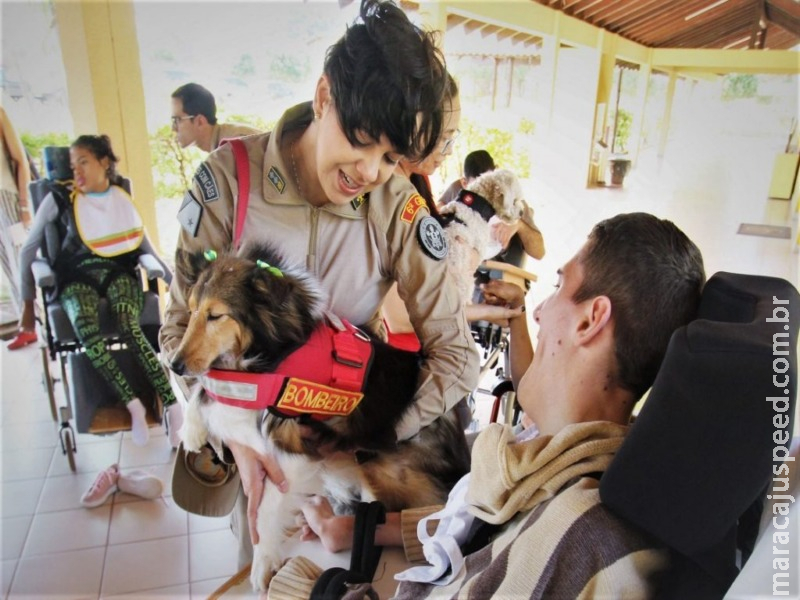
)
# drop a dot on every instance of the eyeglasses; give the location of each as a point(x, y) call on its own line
point(447, 144)
point(176, 120)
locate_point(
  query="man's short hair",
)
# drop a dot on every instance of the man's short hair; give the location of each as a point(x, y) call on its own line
point(653, 274)
point(197, 100)
point(477, 163)
point(384, 73)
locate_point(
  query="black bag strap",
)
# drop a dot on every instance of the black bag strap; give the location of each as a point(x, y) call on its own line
point(364, 558)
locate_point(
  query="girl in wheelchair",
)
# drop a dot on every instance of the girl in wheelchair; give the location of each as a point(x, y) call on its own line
point(102, 236)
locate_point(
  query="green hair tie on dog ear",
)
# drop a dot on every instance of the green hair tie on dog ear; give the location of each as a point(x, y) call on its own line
point(210, 255)
point(265, 265)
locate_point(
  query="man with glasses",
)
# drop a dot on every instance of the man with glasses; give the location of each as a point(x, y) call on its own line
point(194, 119)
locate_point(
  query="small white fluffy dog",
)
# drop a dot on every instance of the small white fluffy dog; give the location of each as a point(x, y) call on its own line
point(503, 190)
point(469, 231)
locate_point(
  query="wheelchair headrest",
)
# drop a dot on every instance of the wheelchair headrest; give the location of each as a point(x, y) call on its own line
point(56, 163)
point(701, 451)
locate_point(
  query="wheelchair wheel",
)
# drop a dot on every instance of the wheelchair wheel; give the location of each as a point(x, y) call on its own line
point(67, 437)
point(49, 384)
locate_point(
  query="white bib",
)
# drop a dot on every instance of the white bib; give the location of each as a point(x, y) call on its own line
point(108, 223)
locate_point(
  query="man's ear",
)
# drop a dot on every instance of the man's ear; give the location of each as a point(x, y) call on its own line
point(596, 317)
point(200, 120)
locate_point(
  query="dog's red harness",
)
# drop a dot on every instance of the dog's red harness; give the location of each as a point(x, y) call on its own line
point(323, 378)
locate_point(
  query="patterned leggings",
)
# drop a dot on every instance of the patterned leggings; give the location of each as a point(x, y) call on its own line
point(126, 299)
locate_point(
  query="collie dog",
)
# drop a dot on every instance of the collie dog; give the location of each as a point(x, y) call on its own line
point(250, 312)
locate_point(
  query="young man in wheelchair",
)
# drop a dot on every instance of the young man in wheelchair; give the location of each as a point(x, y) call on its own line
point(531, 502)
point(102, 236)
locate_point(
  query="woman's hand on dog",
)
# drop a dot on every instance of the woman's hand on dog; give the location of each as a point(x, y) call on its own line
point(253, 469)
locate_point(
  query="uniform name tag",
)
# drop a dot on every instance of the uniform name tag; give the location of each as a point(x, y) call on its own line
point(208, 185)
point(309, 397)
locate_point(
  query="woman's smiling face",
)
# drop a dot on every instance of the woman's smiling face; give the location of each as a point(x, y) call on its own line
point(346, 171)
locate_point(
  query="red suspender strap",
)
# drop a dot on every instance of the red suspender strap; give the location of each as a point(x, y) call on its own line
point(352, 355)
point(243, 178)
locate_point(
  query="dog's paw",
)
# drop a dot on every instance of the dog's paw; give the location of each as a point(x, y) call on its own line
point(263, 570)
point(193, 439)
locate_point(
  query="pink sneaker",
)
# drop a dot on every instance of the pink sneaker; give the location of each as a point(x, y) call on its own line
point(103, 487)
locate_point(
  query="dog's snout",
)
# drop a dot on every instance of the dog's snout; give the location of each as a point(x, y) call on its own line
point(177, 365)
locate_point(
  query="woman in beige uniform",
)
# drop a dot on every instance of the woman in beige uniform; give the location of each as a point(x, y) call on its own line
point(322, 191)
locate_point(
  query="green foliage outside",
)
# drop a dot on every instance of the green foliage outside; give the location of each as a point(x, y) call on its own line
point(244, 67)
point(35, 144)
point(736, 86)
point(624, 122)
point(527, 126)
point(286, 67)
point(508, 148)
point(173, 166)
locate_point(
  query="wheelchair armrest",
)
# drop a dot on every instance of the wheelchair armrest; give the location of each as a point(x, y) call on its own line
point(510, 273)
point(43, 273)
point(151, 266)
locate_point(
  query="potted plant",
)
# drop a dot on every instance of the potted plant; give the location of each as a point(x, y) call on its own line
point(619, 161)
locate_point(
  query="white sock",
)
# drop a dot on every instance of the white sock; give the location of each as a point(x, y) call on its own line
point(139, 428)
point(175, 421)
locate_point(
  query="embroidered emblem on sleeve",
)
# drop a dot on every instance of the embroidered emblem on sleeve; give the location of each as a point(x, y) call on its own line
point(208, 185)
point(431, 237)
point(276, 179)
point(413, 204)
point(189, 213)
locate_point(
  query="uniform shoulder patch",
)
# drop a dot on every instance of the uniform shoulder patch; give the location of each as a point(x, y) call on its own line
point(276, 179)
point(431, 237)
point(410, 210)
point(190, 213)
point(208, 185)
point(359, 201)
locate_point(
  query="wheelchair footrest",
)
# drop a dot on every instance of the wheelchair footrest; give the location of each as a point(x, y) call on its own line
point(110, 419)
point(98, 408)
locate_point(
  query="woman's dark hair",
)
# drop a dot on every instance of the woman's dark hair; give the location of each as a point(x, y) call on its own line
point(420, 182)
point(653, 274)
point(100, 147)
point(388, 77)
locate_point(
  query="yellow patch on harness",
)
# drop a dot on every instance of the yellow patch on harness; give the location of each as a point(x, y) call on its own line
point(308, 397)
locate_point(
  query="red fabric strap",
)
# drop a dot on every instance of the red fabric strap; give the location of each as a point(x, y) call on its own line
point(243, 179)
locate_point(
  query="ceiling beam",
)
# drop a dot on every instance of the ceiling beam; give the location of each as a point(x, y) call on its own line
point(784, 14)
point(777, 62)
point(659, 17)
point(758, 30)
point(604, 9)
point(709, 34)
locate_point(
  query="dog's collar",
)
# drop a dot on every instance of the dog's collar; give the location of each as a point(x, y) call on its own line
point(324, 378)
point(477, 203)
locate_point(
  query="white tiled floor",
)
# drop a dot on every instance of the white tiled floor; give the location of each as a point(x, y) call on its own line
point(53, 548)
